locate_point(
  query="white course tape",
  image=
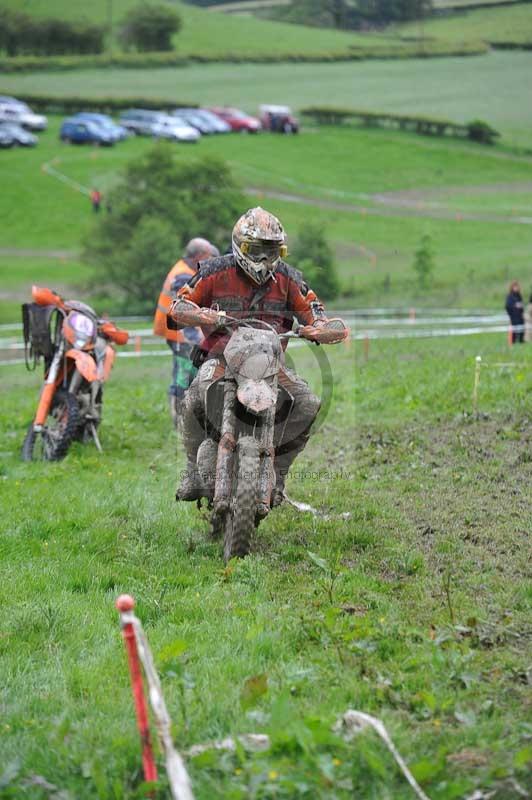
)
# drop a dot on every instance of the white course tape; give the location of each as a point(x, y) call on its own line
point(348, 726)
point(353, 722)
point(175, 767)
point(49, 170)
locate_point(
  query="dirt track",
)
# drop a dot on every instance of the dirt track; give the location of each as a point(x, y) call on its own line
point(404, 204)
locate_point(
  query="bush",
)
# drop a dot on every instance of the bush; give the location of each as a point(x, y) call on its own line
point(480, 131)
point(150, 28)
point(424, 262)
point(313, 255)
point(158, 206)
point(22, 34)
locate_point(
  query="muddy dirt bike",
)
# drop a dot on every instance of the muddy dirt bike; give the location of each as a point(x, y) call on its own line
point(236, 460)
point(78, 357)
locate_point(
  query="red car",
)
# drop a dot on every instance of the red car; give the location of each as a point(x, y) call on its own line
point(238, 120)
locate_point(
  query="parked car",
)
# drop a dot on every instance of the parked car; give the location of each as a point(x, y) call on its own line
point(6, 140)
point(278, 119)
point(117, 131)
point(19, 134)
point(22, 114)
point(169, 127)
point(219, 125)
point(238, 120)
point(140, 121)
point(76, 131)
point(193, 117)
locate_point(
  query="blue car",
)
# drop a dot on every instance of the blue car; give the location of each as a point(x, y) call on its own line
point(80, 131)
point(103, 121)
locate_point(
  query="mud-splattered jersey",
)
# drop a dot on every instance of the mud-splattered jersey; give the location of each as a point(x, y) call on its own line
point(220, 283)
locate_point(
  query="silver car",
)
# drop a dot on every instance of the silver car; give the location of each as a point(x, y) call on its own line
point(21, 114)
point(19, 135)
point(176, 129)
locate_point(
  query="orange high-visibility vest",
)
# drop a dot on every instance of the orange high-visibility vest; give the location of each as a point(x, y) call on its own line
point(160, 327)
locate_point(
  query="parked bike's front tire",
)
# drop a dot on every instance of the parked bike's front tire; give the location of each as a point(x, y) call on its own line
point(60, 428)
point(240, 520)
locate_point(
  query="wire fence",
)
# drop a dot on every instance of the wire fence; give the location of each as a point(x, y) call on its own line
point(364, 325)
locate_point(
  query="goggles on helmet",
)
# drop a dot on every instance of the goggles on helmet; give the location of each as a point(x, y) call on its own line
point(263, 251)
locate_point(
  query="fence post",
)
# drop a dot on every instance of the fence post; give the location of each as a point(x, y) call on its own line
point(478, 362)
point(125, 605)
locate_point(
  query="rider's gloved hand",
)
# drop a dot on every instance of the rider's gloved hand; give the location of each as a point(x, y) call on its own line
point(325, 331)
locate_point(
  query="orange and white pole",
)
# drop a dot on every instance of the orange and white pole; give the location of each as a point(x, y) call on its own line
point(125, 605)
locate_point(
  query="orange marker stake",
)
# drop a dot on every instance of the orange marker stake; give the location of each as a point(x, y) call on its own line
point(366, 347)
point(125, 605)
point(138, 343)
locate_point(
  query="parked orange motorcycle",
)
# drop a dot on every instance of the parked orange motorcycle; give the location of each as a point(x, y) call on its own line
point(78, 357)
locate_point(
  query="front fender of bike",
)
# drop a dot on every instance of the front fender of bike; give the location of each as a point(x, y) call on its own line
point(85, 364)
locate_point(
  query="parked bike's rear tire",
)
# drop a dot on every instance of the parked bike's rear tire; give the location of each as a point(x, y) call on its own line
point(240, 520)
point(59, 430)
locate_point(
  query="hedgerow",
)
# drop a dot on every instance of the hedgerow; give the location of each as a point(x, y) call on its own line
point(427, 49)
point(477, 130)
point(108, 105)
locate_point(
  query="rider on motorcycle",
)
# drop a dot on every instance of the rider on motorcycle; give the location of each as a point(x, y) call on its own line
point(252, 281)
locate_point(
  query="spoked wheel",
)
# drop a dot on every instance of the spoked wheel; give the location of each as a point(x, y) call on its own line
point(240, 519)
point(61, 427)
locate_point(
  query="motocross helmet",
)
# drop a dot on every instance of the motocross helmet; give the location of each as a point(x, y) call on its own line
point(258, 244)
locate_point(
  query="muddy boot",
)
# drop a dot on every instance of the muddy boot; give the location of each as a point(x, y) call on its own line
point(190, 487)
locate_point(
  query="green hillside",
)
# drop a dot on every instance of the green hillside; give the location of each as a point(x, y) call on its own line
point(512, 23)
point(204, 32)
point(493, 25)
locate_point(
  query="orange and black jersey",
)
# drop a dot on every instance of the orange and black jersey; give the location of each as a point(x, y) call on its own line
point(220, 283)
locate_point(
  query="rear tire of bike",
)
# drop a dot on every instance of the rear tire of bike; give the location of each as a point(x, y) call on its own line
point(240, 521)
point(55, 441)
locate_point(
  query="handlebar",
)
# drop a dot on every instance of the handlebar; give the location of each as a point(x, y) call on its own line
point(110, 331)
point(331, 333)
point(47, 297)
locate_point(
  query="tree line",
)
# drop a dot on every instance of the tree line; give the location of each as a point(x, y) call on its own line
point(354, 14)
point(146, 28)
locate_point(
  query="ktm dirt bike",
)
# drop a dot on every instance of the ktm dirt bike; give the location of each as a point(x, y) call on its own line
point(236, 460)
point(78, 357)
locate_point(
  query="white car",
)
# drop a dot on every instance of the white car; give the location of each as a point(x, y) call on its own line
point(21, 114)
point(176, 129)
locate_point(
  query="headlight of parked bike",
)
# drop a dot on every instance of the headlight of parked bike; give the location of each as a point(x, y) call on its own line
point(79, 330)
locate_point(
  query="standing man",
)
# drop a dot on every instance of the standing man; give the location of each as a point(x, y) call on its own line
point(516, 311)
point(96, 200)
point(180, 342)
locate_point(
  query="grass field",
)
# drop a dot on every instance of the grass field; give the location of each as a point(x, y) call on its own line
point(420, 615)
point(412, 600)
point(459, 89)
point(475, 258)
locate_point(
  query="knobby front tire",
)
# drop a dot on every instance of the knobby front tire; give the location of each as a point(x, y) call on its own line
point(60, 429)
point(240, 521)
